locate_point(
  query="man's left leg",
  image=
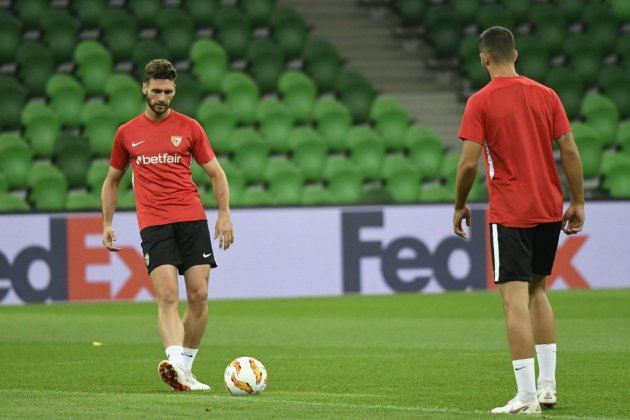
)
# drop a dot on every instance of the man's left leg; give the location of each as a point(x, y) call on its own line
point(195, 318)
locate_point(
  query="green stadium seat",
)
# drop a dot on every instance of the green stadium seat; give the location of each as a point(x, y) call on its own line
point(621, 9)
point(444, 36)
point(468, 49)
point(383, 104)
point(219, 122)
point(258, 11)
point(127, 200)
point(309, 152)
point(448, 170)
point(602, 28)
point(518, 9)
point(333, 123)
point(12, 139)
point(285, 181)
point(569, 87)
point(299, 94)
point(12, 99)
point(236, 180)
point(570, 9)
point(145, 12)
point(89, 12)
point(73, 157)
point(618, 182)
point(411, 12)
point(83, 200)
point(611, 161)
point(199, 176)
point(392, 126)
point(585, 57)
point(209, 64)
point(120, 32)
point(356, 92)
point(466, 10)
point(42, 126)
point(402, 180)
point(316, 194)
point(49, 194)
point(177, 31)
point(94, 66)
point(96, 175)
point(436, 193)
point(43, 170)
point(187, 95)
point(66, 98)
point(256, 196)
point(590, 146)
point(10, 37)
point(12, 203)
point(419, 133)
point(490, 15)
point(322, 63)
point(250, 153)
point(475, 74)
point(427, 156)
point(266, 63)
point(549, 25)
point(61, 33)
point(289, 30)
point(602, 115)
point(144, 51)
point(344, 180)
point(125, 96)
point(623, 136)
point(16, 161)
point(615, 83)
point(4, 184)
point(367, 151)
point(533, 58)
point(36, 64)
point(275, 124)
point(233, 31)
point(100, 126)
point(31, 12)
point(201, 11)
point(241, 96)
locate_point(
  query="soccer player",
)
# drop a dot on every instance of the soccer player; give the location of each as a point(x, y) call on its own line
point(160, 144)
point(514, 121)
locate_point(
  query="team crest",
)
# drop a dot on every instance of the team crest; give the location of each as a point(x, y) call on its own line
point(176, 140)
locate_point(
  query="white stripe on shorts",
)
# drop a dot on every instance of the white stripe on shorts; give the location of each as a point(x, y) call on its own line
point(495, 249)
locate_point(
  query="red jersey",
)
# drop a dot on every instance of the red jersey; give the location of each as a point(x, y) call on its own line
point(516, 119)
point(160, 153)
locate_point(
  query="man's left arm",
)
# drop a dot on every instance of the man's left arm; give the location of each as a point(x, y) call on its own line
point(223, 228)
point(466, 172)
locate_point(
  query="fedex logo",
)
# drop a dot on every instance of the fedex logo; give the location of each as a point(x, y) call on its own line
point(78, 270)
point(155, 159)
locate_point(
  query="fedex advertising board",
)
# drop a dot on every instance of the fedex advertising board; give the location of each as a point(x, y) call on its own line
point(291, 252)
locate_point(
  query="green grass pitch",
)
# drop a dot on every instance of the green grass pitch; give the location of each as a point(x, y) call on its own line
point(399, 356)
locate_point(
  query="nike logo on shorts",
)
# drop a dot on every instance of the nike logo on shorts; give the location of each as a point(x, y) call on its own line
point(206, 255)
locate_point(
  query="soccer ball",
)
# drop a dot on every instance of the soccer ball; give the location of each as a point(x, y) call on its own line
point(245, 376)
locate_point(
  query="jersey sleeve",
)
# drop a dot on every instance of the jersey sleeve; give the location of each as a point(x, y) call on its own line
point(472, 127)
point(561, 123)
point(119, 158)
point(202, 151)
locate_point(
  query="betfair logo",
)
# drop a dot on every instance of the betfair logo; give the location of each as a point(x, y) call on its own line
point(155, 159)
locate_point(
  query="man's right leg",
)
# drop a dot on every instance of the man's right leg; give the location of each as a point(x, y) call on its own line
point(170, 325)
point(545, 338)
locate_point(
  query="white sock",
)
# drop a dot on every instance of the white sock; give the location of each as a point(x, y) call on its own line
point(174, 355)
point(525, 379)
point(546, 363)
point(188, 357)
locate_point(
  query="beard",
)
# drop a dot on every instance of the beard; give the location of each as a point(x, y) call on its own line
point(154, 106)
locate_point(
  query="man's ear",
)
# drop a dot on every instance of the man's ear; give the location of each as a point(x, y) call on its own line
point(485, 58)
point(144, 88)
point(515, 55)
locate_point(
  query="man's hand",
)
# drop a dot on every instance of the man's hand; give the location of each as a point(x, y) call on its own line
point(224, 230)
point(108, 239)
point(573, 219)
point(459, 215)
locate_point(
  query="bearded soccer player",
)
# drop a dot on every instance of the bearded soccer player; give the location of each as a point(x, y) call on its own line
point(159, 145)
point(515, 121)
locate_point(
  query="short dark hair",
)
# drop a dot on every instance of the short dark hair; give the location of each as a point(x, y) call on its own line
point(160, 68)
point(498, 42)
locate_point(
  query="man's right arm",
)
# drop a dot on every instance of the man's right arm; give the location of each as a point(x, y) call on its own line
point(109, 199)
point(573, 219)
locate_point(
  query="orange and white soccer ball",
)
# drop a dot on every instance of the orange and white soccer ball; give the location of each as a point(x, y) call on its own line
point(245, 376)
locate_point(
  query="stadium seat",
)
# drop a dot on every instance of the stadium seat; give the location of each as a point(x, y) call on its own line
point(443, 30)
point(427, 156)
point(250, 153)
point(518, 9)
point(289, 30)
point(618, 182)
point(218, 122)
point(601, 26)
point(96, 175)
point(590, 146)
point(436, 193)
point(611, 161)
point(61, 33)
point(411, 12)
point(12, 139)
point(623, 136)
point(549, 25)
point(569, 87)
point(392, 126)
point(43, 170)
point(490, 15)
point(199, 176)
point(16, 161)
point(124, 96)
point(89, 12)
point(258, 11)
point(36, 64)
point(468, 49)
point(100, 126)
point(12, 203)
point(475, 74)
point(621, 9)
point(309, 152)
point(448, 170)
point(144, 51)
point(333, 123)
point(73, 157)
point(466, 10)
point(31, 12)
point(615, 83)
point(322, 63)
point(285, 181)
point(298, 93)
point(602, 115)
point(265, 63)
point(419, 133)
point(127, 200)
point(201, 11)
point(94, 66)
point(83, 200)
point(241, 96)
point(571, 9)
point(145, 12)
point(209, 64)
point(49, 194)
point(256, 196)
point(402, 179)
point(12, 99)
point(120, 32)
point(236, 179)
point(356, 92)
point(42, 126)
point(367, 151)
point(66, 98)
point(177, 31)
point(344, 180)
point(233, 31)
point(533, 57)
point(316, 194)
point(275, 124)
point(11, 36)
point(187, 95)
point(4, 184)
point(585, 57)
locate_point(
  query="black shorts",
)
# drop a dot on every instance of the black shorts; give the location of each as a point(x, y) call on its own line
point(182, 244)
point(517, 253)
